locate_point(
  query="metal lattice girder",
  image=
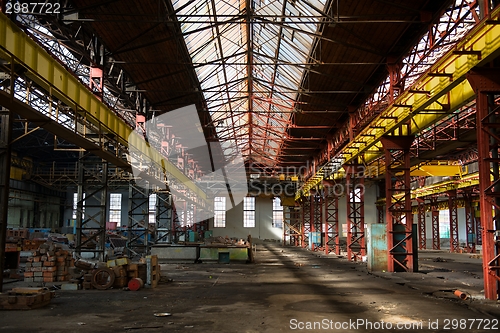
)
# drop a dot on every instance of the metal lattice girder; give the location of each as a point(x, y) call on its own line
point(163, 230)
point(479, 226)
point(306, 220)
point(398, 207)
point(436, 239)
point(355, 204)
point(138, 230)
point(470, 222)
point(92, 205)
point(90, 115)
point(317, 215)
point(452, 207)
point(442, 87)
point(486, 84)
point(292, 224)
point(422, 237)
point(180, 218)
point(5, 162)
point(331, 203)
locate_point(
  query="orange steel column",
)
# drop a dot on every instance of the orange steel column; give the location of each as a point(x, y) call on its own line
point(436, 239)
point(398, 202)
point(452, 206)
point(422, 237)
point(306, 220)
point(486, 84)
point(355, 205)
point(332, 239)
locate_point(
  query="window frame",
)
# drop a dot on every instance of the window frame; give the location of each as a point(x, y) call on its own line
point(249, 212)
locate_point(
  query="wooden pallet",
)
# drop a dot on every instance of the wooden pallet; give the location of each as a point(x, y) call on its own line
point(153, 271)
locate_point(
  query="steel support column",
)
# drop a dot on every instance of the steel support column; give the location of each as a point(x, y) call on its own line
point(422, 240)
point(486, 85)
point(380, 213)
point(292, 226)
point(306, 220)
point(176, 221)
point(398, 207)
point(355, 204)
point(180, 219)
point(317, 218)
point(92, 205)
point(163, 231)
point(138, 220)
point(5, 161)
point(436, 239)
point(479, 227)
point(331, 204)
point(452, 206)
point(470, 223)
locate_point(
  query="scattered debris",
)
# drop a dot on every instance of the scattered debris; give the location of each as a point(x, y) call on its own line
point(461, 294)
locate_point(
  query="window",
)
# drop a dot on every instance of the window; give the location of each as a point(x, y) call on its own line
point(249, 212)
point(277, 213)
point(115, 208)
point(219, 212)
point(152, 208)
point(444, 224)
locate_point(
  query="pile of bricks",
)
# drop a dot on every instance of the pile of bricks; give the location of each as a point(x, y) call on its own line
point(49, 263)
point(32, 244)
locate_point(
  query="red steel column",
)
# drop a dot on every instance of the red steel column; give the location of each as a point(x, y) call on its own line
point(452, 206)
point(380, 206)
point(355, 212)
point(295, 218)
point(486, 84)
point(470, 224)
point(306, 220)
point(422, 240)
point(332, 239)
point(436, 240)
point(398, 201)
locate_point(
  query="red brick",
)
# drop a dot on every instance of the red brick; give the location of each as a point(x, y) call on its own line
point(49, 274)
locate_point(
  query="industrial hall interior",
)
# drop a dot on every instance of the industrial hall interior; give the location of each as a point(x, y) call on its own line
point(249, 165)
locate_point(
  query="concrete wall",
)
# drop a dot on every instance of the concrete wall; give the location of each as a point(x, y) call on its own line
point(263, 222)
point(264, 217)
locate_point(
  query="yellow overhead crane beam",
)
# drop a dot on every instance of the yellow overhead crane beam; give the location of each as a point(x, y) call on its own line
point(17, 47)
point(465, 181)
point(439, 91)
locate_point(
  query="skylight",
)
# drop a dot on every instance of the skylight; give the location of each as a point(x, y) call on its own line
point(250, 65)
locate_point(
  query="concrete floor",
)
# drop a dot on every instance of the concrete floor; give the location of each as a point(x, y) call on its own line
point(285, 289)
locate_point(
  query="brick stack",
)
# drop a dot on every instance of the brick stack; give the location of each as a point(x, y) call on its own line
point(32, 244)
point(49, 263)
